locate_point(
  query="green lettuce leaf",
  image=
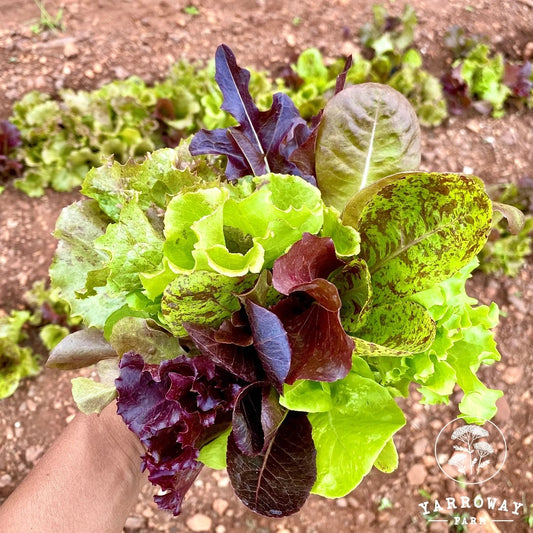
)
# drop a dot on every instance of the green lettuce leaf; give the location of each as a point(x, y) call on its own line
point(367, 132)
point(350, 437)
point(421, 229)
point(77, 228)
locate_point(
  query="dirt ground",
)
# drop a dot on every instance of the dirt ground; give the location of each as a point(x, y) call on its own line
point(110, 39)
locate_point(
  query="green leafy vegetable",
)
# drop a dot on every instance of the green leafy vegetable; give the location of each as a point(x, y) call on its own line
point(367, 132)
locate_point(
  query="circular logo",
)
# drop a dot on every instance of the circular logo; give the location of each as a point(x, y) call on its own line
point(470, 453)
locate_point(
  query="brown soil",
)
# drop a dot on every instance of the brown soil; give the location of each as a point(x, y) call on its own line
point(106, 40)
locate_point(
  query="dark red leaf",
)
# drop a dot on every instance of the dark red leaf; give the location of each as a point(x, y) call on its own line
point(256, 418)
point(238, 358)
point(264, 140)
point(278, 482)
point(320, 348)
point(310, 258)
point(174, 408)
point(518, 79)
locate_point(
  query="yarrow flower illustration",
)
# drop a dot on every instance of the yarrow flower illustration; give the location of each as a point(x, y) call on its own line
point(468, 435)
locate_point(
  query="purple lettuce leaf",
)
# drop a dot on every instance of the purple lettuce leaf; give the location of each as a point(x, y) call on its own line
point(174, 408)
point(278, 481)
point(320, 348)
point(264, 140)
point(271, 343)
point(456, 91)
point(518, 79)
point(9, 137)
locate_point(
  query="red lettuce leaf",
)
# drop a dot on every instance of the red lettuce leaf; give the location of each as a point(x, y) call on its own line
point(518, 79)
point(456, 91)
point(277, 482)
point(310, 258)
point(256, 418)
point(264, 140)
point(320, 348)
point(228, 347)
point(174, 408)
point(9, 137)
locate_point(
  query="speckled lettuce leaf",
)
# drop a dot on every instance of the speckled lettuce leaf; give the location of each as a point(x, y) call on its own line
point(367, 132)
point(464, 341)
point(349, 437)
point(421, 229)
point(202, 297)
point(401, 326)
point(77, 228)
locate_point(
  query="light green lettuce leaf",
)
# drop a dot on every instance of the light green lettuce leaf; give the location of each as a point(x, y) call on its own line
point(92, 396)
point(133, 246)
point(213, 454)
point(308, 396)
point(350, 437)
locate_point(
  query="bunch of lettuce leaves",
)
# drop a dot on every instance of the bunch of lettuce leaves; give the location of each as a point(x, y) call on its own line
point(487, 82)
point(47, 316)
point(259, 305)
point(506, 252)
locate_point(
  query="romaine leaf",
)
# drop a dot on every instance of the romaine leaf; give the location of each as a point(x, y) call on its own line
point(402, 326)
point(350, 437)
point(271, 343)
point(320, 348)
point(277, 482)
point(367, 132)
point(256, 418)
point(202, 297)
point(421, 229)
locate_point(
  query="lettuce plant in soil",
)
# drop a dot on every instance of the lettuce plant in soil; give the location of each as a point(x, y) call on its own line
point(256, 298)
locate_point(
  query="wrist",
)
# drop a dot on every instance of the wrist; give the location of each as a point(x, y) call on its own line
point(119, 440)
